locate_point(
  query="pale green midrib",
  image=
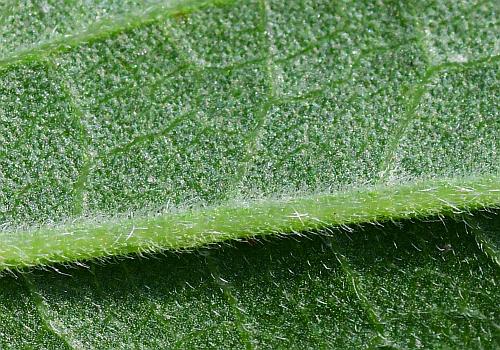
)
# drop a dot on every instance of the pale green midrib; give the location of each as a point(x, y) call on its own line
point(113, 229)
point(197, 227)
point(106, 28)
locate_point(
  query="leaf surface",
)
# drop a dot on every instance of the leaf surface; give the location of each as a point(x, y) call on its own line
point(410, 285)
point(139, 126)
point(173, 125)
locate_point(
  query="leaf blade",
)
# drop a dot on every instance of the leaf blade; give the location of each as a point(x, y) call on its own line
point(241, 118)
point(147, 114)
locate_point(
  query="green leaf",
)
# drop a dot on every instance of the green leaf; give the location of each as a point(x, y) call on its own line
point(145, 126)
point(177, 125)
point(411, 285)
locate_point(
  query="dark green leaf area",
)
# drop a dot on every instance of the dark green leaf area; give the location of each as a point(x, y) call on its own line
point(406, 285)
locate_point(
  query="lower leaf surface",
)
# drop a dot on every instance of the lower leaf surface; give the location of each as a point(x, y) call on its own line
point(423, 284)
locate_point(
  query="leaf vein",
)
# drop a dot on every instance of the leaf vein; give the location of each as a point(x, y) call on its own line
point(373, 317)
point(232, 301)
point(42, 312)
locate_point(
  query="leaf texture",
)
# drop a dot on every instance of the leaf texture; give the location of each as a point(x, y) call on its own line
point(190, 117)
point(405, 286)
point(139, 126)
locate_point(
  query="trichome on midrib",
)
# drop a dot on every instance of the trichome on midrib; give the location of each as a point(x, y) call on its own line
point(242, 119)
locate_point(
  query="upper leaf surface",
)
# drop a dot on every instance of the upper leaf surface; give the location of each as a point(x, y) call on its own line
point(119, 107)
point(172, 107)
